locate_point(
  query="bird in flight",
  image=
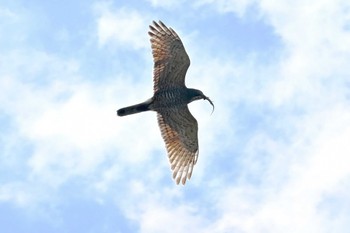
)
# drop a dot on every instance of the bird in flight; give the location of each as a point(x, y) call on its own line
point(178, 127)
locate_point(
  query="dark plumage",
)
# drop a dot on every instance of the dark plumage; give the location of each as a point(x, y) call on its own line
point(178, 127)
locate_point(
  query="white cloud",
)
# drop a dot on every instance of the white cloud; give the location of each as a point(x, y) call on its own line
point(316, 43)
point(289, 200)
point(225, 6)
point(122, 27)
point(71, 124)
point(287, 176)
point(168, 4)
point(158, 218)
point(277, 177)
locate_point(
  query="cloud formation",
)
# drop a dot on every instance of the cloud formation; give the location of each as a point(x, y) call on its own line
point(273, 156)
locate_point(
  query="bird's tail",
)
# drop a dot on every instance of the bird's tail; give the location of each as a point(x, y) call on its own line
point(142, 107)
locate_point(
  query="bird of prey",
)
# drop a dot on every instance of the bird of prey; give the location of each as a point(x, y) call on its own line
point(178, 127)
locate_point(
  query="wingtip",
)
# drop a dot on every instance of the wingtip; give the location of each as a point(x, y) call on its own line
point(158, 24)
point(154, 23)
point(178, 180)
point(184, 180)
point(161, 23)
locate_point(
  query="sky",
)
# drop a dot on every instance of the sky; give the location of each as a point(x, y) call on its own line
point(273, 157)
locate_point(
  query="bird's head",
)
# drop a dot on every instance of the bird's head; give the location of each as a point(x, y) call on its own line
point(197, 95)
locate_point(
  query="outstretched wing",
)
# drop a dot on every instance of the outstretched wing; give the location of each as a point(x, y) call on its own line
point(179, 130)
point(170, 58)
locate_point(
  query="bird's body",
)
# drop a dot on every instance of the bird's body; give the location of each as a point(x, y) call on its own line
point(178, 127)
point(171, 98)
point(162, 100)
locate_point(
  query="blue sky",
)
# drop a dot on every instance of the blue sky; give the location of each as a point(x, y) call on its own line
point(274, 156)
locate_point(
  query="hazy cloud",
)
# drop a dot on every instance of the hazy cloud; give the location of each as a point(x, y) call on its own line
point(273, 155)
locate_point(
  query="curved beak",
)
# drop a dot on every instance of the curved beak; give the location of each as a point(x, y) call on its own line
point(207, 98)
